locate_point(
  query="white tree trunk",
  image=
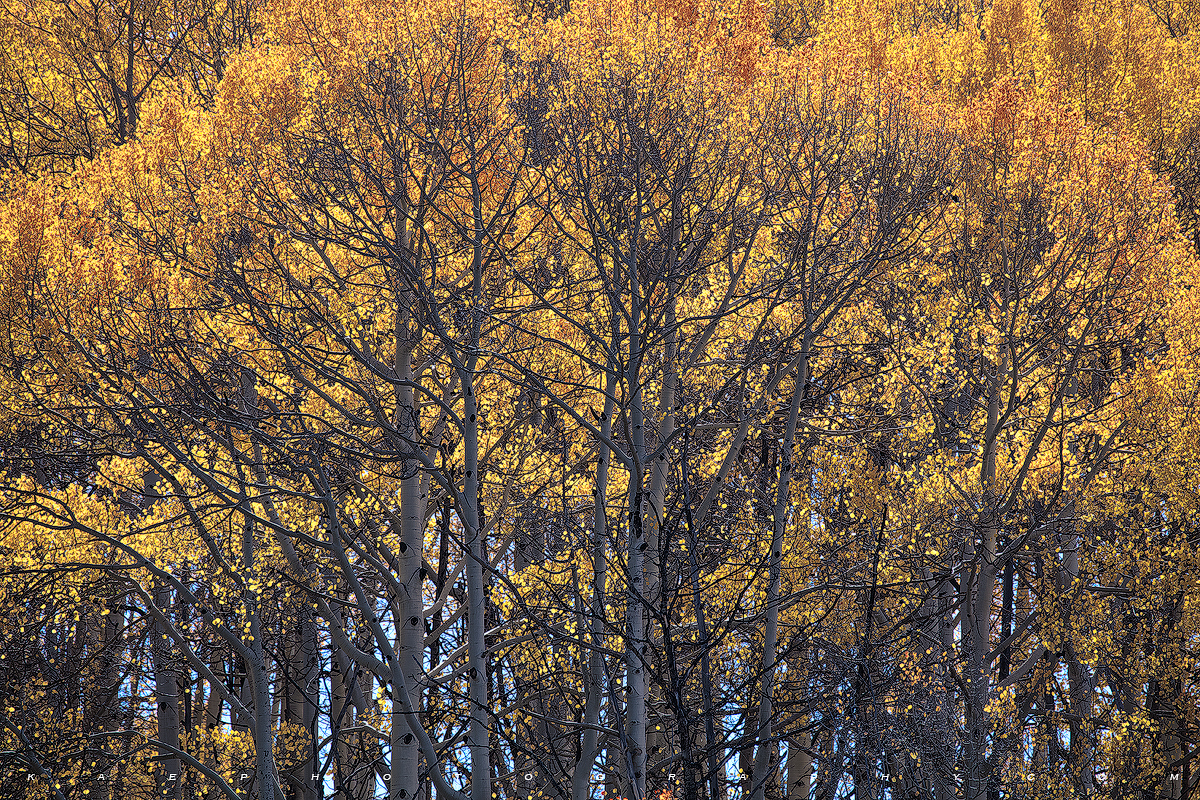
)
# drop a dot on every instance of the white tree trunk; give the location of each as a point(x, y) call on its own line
point(637, 648)
point(478, 738)
point(653, 511)
point(594, 675)
point(410, 645)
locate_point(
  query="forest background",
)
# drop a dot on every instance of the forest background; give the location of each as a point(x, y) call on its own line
point(694, 399)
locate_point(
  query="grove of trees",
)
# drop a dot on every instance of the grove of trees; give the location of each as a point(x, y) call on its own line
point(582, 399)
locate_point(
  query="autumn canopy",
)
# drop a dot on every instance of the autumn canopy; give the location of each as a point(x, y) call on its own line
point(567, 399)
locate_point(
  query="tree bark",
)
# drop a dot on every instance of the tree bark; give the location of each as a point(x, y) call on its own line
point(410, 645)
point(979, 594)
point(478, 737)
point(300, 701)
point(593, 676)
point(766, 711)
point(653, 513)
point(799, 766)
point(637, 648)
point(166, 692)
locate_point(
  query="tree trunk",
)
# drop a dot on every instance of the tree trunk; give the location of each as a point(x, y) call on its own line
point(594, 674)
point(944, 709)
point(766, 711)
point(101, 710)
point(716, 784)
point(637, 648)
point(166, 693)
point(799, 766)
point(478, 737)
point(347, 702)
point(1079, 679)
point(659, 735)
point(410, 645)
point(300, 701)
point(979, 595)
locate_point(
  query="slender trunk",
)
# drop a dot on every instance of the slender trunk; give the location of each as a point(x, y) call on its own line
point(425, 782)
point(1006, 618)
point(706, 692)
point(341, 715)
point(1009, 741)
point(1042, 759)
point(264, 753)
point(348, 702)
point(477, 555)
point(241, 675)
point(410, 645)
point(435, 646)
point(593, 677)
point(927, 646)
point(300, 702)
point(343, 711)
point(766, 711)
point(215, 706)
point(102, 712)
point(616, 772)
point(257, 675)
point(1079, 677)
point(637, 649)
point(944, 710)
point(166, 692)
point(866, 745)
point(653, 516)
point(977, 611)
point(799, 766)
point(478, 737)
point(259, 680)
